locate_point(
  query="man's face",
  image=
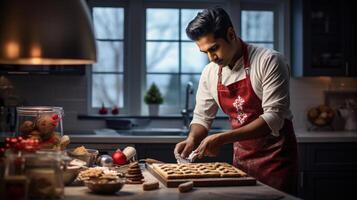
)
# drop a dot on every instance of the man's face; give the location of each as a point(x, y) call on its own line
point(218, 50)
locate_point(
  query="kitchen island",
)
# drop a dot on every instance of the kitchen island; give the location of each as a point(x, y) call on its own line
point(133, 192)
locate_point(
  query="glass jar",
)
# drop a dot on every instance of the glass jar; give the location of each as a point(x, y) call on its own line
point(41, 123)
point(43, 170)
point(15, 183)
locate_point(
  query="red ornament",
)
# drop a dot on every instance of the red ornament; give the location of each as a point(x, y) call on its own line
point(103, 110)
point(119, 158)
point(115, 110)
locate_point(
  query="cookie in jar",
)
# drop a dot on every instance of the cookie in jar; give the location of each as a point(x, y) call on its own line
point(42, 123)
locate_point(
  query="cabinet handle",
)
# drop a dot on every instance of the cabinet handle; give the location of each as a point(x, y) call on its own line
point(347, 66)
point(301, 179)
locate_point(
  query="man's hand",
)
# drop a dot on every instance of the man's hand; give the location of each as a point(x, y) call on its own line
point(184, 148)
point(210, 146)
point(196, 135)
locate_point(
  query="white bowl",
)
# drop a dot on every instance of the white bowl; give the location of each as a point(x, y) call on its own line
point(89, 157)
point(70, 174)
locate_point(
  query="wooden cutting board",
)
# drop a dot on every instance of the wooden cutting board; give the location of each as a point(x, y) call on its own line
point(203, 182)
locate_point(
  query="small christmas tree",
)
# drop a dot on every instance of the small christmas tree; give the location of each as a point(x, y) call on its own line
point(153, 95)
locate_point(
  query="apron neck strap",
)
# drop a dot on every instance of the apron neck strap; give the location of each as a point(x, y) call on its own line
point(246, 63)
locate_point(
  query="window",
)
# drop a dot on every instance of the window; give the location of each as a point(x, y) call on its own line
point(108, 72)
point(258, 27)
point(172, 59)
point(143, 42)
point(265, 23)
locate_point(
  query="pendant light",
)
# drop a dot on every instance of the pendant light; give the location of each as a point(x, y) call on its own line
point(46, 32)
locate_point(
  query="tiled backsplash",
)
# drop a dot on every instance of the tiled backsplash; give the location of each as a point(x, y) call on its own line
point(70, 92)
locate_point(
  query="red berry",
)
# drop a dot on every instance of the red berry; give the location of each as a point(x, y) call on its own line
point(36, 142)
point(13, 140)
point(2, 152)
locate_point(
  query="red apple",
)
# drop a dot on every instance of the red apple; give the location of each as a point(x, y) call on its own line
point(115, 110)
point(103, 110)
point(119, 158)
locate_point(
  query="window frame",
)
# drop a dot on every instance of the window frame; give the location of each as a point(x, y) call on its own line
point(135, 41)
point(180, 41)
point(175, 109)
point(109, 4)
point(280, 9)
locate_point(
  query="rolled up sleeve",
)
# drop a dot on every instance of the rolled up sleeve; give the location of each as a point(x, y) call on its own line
point(206, 107)
point(275, 97)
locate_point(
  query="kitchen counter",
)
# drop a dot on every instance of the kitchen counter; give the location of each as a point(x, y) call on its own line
point(111, 136)
point(304, 136)
point(133, 192)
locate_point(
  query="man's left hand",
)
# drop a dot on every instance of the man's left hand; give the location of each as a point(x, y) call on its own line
point(210, 146)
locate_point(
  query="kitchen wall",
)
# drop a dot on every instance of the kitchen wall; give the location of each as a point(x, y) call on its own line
point(70, 92)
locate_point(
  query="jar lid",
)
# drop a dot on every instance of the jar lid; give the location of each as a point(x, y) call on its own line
point(36, 110)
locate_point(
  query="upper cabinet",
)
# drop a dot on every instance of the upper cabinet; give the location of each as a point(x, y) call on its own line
point(322, 38)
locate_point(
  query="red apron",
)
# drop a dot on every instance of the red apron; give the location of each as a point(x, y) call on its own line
point(271, 160)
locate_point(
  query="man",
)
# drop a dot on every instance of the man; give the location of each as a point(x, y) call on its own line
point(251, 85)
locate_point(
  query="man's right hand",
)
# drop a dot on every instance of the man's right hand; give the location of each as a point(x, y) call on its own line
point(196, 135)
point(184, 148)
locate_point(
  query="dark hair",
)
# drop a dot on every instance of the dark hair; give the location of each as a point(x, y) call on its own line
point(212, 20)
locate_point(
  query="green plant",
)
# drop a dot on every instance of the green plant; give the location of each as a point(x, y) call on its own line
point(153, 95)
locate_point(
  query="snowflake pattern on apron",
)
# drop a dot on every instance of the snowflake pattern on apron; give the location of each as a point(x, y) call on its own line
point(238, 104)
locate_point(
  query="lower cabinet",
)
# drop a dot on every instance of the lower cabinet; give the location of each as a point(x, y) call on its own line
point(328, 171)
point(330, 185)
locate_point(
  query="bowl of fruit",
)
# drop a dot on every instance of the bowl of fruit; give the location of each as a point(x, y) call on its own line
point(321, 115)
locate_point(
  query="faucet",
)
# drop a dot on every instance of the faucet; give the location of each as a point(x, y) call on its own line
point(186, 112)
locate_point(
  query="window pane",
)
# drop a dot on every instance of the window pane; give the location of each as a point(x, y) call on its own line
point(162, 57)
point(267, 45)
point(162, 24)
point(186, 16)
point(110, 57)
point(108, 23)
point(107, 89)
point(168, 85)
point(192, 59)
point(258, 25)
point(184, 80)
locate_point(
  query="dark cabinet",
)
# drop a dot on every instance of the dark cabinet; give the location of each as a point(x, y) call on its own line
point(328, 171)
point(322, 38)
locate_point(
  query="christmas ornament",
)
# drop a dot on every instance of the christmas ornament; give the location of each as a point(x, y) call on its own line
point(119, 157)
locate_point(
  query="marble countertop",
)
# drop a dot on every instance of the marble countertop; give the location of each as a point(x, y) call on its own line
point(132, 192)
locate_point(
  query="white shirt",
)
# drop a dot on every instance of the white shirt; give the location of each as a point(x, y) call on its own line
point(269, 74)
